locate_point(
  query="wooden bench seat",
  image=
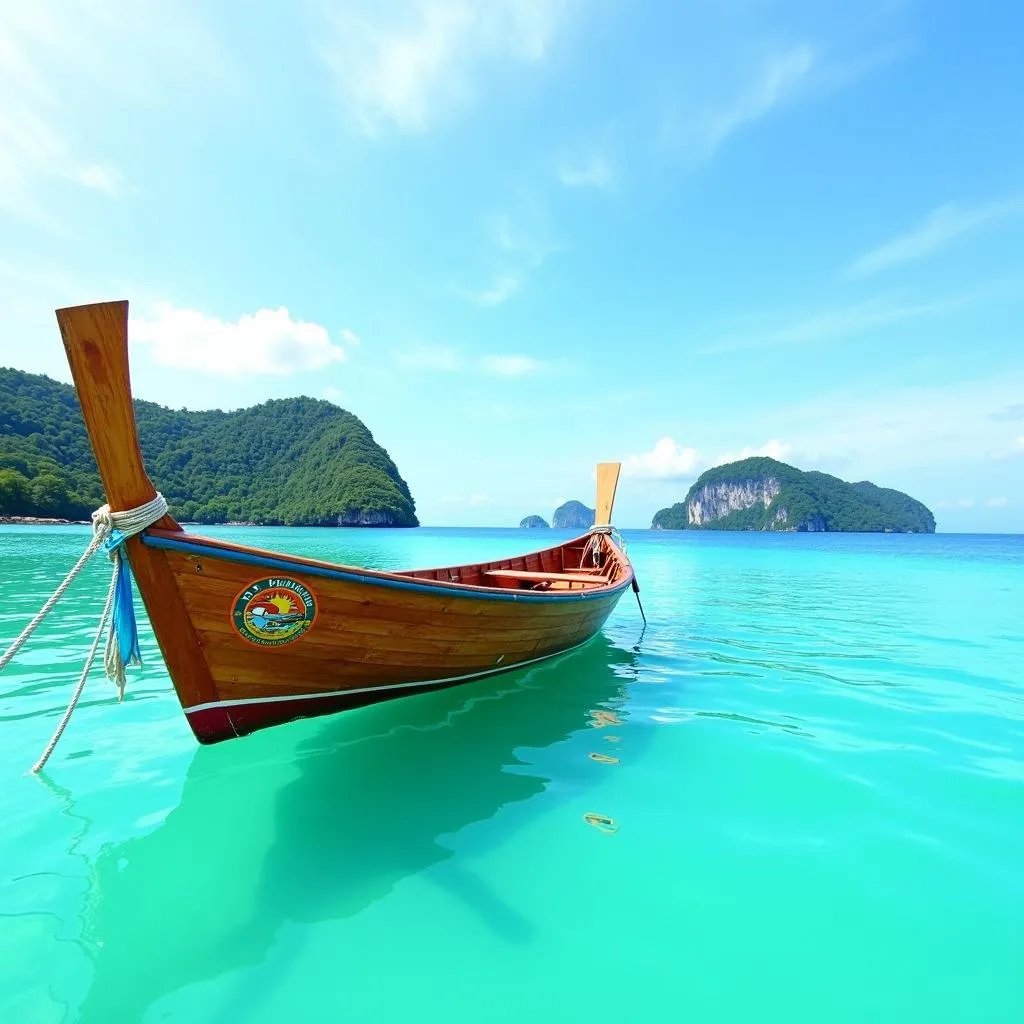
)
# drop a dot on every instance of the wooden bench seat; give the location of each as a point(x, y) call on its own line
point(545, 577)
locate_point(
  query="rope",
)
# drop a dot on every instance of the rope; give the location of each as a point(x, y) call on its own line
point(73, 703)
point(109, 530)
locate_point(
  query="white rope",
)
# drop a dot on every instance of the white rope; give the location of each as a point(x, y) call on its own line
point(73, 703)
point(104, 523)
point(48, 607)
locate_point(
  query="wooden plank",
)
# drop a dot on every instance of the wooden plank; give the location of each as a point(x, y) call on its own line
point(567, 577)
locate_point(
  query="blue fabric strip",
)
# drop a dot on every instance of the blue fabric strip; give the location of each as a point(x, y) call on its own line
point(125, 627)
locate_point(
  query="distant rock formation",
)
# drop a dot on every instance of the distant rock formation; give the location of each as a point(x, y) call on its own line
point(764, 494)
point(534, 523)
point(573, 515)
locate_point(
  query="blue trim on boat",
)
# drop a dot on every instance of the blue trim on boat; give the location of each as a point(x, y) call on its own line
point(286, 565)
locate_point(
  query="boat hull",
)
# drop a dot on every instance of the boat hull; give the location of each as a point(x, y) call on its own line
point(366, 637)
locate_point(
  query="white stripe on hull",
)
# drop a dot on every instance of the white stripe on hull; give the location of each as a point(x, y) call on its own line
point(389, 686)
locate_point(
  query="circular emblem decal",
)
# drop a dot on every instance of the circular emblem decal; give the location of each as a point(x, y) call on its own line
point(274, 611)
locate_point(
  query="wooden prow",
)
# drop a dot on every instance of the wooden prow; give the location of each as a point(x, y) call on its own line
point(96, 342)
point(607, 481)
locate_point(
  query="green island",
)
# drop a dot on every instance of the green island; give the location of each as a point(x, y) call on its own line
point(764, 494)
point(289, 462)
point(534, 523)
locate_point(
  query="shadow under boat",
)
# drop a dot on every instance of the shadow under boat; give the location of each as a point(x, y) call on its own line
point(369, 799)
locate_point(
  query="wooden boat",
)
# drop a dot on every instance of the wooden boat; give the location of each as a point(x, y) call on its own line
point(255, 638)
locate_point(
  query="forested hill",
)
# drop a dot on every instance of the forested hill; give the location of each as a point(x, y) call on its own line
point(764, 494)
point(294, 462)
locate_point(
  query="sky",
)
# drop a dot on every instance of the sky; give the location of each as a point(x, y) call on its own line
point(520, 237)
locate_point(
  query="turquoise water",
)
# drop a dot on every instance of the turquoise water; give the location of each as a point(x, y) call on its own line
point(818, 792)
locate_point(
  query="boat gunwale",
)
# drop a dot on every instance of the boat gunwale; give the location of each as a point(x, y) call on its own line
point(175, 540)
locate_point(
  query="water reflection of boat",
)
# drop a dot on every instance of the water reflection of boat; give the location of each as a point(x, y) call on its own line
point(366, 802)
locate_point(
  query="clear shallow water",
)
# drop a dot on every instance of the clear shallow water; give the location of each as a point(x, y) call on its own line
point(819, 793)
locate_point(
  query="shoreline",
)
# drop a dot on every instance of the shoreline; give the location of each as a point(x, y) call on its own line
point(40, 521)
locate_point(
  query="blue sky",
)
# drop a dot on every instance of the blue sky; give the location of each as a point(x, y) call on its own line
point(518, 237)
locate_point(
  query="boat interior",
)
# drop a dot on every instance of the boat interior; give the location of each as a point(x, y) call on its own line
point(586, 563)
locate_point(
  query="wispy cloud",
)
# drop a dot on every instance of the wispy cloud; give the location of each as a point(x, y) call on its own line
point(874, 432)
point(998, 502)
point(525, 233)
point(827, 325)
point(1010, 414)
point(733, 68)
point(594, 172)
point(510, 365)
point(450, 360)
point(107, 54)
point(520, 239)
point(938, 229)
point(269, 341)
point(409, 64)
point(778, 78)
point(101, 179)
point(502, 289)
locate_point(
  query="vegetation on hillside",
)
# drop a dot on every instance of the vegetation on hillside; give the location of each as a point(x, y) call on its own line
point(809, 501)
point(294, 462)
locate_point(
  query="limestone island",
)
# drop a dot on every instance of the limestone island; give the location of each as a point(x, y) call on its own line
point(573, 515)
point(764, 494)
point(286, 462)
point(533, 523)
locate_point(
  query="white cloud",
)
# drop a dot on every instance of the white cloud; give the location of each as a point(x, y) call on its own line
point(410, 63)
point(350, 337)
point(269, 341)
point(998, 502)
point(667, 460)
point(510, 365)
point(965, 503)
point(942, 226)
point(596, 172)
point(773, 449)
